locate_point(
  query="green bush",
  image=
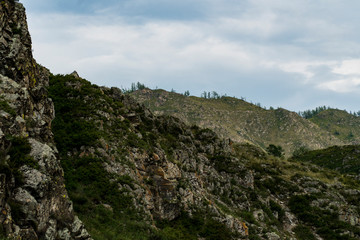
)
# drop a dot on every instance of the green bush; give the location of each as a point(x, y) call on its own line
point(19, 153)
point(303, 233)
point(277, 208)
point(19, 156)
point(199, 225)
point(247, 216)
point(5, 107)
point(300, 151)
point(274, 150)
point(70, 126)
point(223, 163)
point(333, 158)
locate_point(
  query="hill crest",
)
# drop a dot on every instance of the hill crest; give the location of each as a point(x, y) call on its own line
point(241, 121)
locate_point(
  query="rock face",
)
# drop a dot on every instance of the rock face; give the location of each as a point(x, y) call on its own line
point(33, 201)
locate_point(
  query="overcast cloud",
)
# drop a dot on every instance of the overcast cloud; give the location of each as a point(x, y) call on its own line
point(296, 54)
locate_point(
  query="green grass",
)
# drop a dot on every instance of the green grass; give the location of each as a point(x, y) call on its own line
point(339, 123)
point(344, 159)
point(303, 233)
point(191, 228)
point(105, 224)
point(5, 107)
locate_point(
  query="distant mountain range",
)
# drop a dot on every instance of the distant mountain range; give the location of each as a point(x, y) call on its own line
point(245, 122)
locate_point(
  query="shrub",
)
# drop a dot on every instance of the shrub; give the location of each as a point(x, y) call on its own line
point(303, 233)
point(274, 150)
point(5, 106)
point(300, 151)
point(200, 224)
point(277, 208)
point(70, 126)
point(19, 156)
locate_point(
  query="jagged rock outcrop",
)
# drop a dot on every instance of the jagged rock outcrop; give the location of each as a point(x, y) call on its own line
point(33, 201)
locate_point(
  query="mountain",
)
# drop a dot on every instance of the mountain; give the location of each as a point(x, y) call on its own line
point(241, 121)
point(128, 170)
point(33, 200)
point(79, 160)
point(340, 124)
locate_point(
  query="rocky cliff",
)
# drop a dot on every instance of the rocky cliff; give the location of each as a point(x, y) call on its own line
point(33, 201)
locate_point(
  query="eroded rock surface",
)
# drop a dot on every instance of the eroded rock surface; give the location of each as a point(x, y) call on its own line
point(35, 205)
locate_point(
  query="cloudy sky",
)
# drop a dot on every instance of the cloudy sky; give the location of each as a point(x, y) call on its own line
point(296, 54)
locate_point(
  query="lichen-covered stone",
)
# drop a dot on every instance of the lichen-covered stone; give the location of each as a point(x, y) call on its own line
point(40, 199)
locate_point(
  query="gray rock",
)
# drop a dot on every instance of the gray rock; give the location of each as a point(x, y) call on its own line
point(45, 156)
point(77, 225)
point(35, 180)
point(64, 234)
point(50, 233)
point(272, 236)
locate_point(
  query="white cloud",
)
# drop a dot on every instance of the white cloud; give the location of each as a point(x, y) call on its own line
point(348, 67)
point(169, 46)
point(303, 47)
point(306, 68)
point(347, 77)
point(264, 26)
point(342, 86)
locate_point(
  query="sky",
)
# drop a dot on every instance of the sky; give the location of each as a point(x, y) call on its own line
point(297, 54)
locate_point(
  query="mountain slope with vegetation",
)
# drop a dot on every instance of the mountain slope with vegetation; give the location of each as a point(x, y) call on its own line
point(128, 170)
point(339, 123)
point(239, 120)
point(344, 159)
point(131, 174)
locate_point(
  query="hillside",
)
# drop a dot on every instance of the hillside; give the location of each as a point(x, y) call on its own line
point(127, 170)
point(239, 120)
point(345, 159)
point(340, 124)
point(83, 162)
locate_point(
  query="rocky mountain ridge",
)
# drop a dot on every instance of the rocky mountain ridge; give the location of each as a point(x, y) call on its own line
point(33, 200)
point(175, 173)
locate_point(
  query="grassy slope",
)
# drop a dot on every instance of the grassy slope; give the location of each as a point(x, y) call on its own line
point(240, 120)
point(345, 159)
point(339, 123)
